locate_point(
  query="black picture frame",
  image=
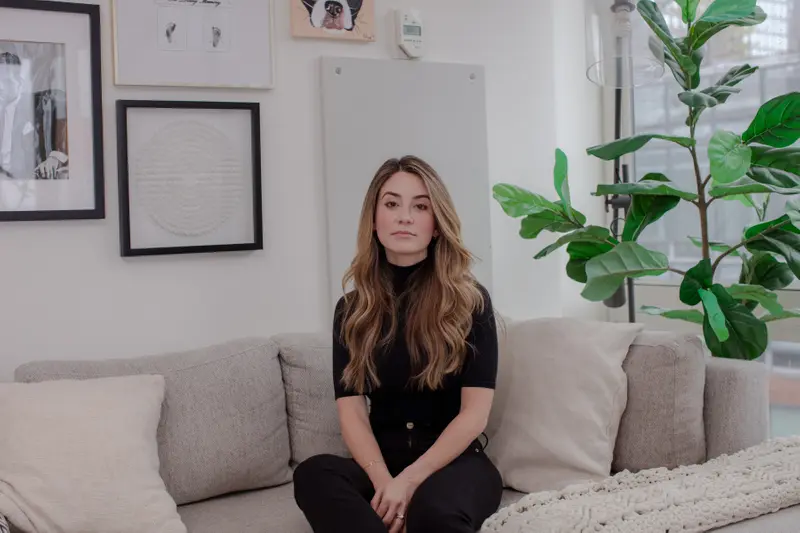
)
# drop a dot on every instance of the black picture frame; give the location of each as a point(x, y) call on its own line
point(98, 186)
point(123, 108)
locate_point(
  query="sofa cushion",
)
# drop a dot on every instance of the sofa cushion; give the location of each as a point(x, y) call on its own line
point(223, 424)
point(560, 394)
point(81, 455)
point(308, 378)
point(663, 422)
point(263, 511)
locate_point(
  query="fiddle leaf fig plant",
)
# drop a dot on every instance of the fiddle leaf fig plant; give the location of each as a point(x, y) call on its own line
point(746, 166)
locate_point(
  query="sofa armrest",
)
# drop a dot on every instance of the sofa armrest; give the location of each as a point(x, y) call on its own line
point(736, 408)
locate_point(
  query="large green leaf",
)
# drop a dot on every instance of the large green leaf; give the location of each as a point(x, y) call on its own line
point(561, 182)
point(605, 273)
point(653, 17)
point(793, 210)
point(698, 277)
point(788, 313)
point(763, 269)
point(787, 159)
point(781, 242)
point(727, 10)
point(721, 91)
point(748, 335)
point(627, 145)
point(689, 315)
point(703, 30)
point(756, 293)
point(697, 99)
point(760, 180)
point(519, 202)
point(777, 122)
point(593, 234)
point(647, 208)
point(651, 184)
point(728, 155)
point(714, 245)
point(783, 222)
point(579, 254)
point(688, 9)
point(532, 225)
point(714, 315)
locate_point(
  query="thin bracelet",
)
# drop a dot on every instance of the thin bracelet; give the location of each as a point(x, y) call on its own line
point(371, 464)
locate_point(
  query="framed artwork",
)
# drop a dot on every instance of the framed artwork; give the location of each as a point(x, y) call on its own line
point(51, 130)
point(194, 43)
point(352, 20)
point(189, 177)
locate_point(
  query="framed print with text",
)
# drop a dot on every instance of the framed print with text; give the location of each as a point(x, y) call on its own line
point(51, 130)
point(194, 43)
point(189, 177)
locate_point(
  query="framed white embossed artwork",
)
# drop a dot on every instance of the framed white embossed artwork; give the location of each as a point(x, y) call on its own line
point(194, 43)
point(189, 177)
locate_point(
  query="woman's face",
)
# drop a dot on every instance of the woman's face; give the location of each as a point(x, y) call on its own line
point(404, 219)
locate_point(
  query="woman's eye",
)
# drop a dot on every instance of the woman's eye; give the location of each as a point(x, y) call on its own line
point(390, 203)
point(422, 207)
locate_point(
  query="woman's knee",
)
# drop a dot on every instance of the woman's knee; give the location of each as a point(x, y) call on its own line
point(311, 474)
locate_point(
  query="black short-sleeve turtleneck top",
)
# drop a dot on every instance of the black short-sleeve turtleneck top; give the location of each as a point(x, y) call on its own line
point(398, 403)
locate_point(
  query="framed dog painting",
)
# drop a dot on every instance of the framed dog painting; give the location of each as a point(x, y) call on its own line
point(352, 20)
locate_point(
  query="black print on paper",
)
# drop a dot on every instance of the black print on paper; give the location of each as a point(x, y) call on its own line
point(171, 28)
point(217, 30)
point(333, 14)
point(33, 111)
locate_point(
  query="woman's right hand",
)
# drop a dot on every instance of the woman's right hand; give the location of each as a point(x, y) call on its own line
point(391, 501)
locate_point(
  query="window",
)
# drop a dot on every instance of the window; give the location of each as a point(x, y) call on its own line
point(774, 47)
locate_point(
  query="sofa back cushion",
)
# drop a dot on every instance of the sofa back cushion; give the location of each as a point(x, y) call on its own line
point(308, 377)
point(223, 421)
point(662, 425)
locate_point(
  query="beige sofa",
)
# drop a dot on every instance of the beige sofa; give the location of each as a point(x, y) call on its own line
point(237, 416)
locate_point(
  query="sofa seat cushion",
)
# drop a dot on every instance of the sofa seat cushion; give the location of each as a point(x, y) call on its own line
point(223, 422)
point(270, 510)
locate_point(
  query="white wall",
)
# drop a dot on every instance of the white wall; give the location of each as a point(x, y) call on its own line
point(67, 293)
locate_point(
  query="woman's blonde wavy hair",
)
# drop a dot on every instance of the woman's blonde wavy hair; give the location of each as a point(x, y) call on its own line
point(441, 297)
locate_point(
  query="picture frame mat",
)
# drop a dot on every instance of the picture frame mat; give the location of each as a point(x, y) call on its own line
point(137, 65)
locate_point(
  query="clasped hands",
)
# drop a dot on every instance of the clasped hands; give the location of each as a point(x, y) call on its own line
point(391, 500)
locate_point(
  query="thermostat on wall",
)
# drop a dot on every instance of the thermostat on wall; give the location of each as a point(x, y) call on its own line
point(409, 32)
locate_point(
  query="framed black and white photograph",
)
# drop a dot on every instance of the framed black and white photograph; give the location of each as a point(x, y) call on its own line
point(194, 43)
point(189, 177)
point(51, 132)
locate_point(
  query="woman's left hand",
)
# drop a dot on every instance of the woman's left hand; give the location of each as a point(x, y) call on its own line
point(392, 501)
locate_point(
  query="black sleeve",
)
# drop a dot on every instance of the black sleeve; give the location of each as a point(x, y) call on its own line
point(341, 355)
point(480, 367)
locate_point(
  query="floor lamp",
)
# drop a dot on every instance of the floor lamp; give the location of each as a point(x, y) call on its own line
point(620, 57)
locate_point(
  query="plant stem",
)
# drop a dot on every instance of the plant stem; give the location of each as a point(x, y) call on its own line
point(701, 197)
point(744, 243)
point(705, 182)
point(681, 272)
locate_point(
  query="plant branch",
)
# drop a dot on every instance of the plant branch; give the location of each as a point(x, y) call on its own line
point(745, 243)
point(705, 181)
point(681, 272)
point(701, 200)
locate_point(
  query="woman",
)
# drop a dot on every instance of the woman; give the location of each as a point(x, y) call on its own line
point(417, 337)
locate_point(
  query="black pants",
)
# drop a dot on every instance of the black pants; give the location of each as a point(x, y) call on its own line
point(335, 493)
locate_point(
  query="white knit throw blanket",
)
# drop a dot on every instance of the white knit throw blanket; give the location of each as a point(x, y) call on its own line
point(731, 488)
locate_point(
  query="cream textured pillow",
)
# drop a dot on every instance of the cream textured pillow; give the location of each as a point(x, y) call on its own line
point(81, 456)
point(561, 392)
